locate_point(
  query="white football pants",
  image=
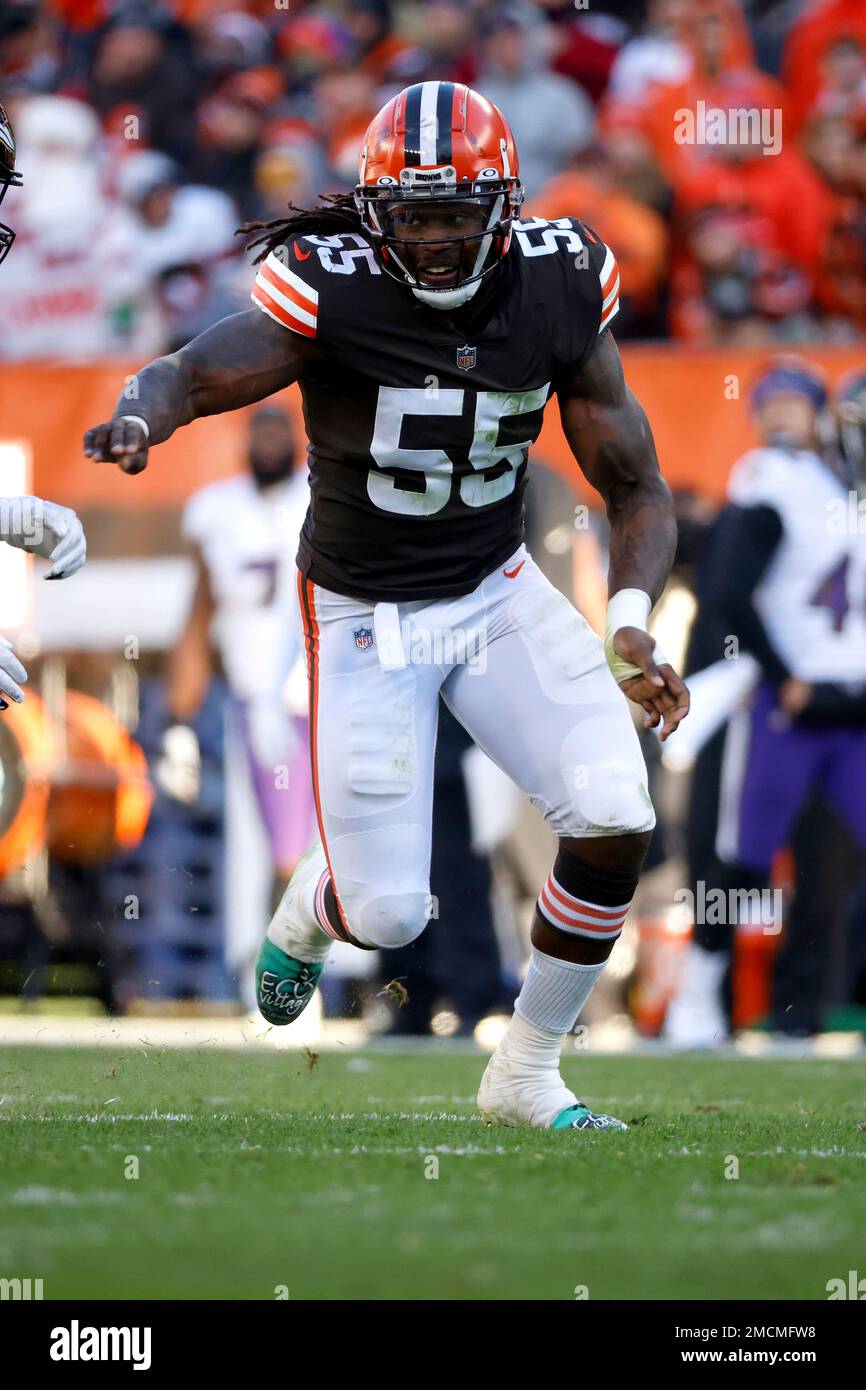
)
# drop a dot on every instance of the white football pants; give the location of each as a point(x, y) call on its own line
point(524, 674)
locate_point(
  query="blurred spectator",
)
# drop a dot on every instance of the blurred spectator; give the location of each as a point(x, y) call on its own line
point(136, 70)
point(370, 24)
point(268, 107)
point(446, 33)
point(183, 235)
point(659, 53)
point(813, 32)
point(231, 125)
point(80, 287)
point(29, 49)
point(343, 104)
point(754, 228)
point(843, 83)
point(638, 233)
point(629, 155)
point(840, 158)
point(288, 169)
point(551, 117)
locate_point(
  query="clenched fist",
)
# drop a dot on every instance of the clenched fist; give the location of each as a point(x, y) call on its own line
point(122, 441)
point(658, 690)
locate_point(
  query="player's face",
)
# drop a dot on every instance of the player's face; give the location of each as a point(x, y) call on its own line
point(431, 239)
point(789, 418)
point(272, 450)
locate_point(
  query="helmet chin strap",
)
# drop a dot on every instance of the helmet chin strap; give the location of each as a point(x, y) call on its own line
point(447, 299)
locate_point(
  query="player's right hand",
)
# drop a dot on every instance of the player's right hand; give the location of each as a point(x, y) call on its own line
point(659, 691)
point(121, 441)
point(11, 673)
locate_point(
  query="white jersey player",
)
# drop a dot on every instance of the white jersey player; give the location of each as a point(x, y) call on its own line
point(243, 531)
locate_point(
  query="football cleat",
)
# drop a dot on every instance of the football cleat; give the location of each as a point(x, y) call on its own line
point(513, 1093)
point(581, 1117)
point(284, 986)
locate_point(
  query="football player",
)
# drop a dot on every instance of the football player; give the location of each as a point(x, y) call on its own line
point(243, 531)
point(428, 328)
point(789, 580)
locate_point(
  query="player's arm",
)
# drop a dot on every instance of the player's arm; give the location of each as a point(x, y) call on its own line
point(189, 661)
point(178, 767)
point(241, 359)
point(747, 542)
point(610, 437)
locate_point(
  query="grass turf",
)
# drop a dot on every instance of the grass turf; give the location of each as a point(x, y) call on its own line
point(258, 1171)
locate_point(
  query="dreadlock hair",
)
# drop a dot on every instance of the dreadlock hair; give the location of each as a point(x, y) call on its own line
point(337, 213)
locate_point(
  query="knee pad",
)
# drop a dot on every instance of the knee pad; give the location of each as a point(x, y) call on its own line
point(383, 881)
point(393, 920)
point(612, 799)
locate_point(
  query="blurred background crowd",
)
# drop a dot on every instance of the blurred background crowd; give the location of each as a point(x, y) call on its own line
point(147, 133)
point(160, 124)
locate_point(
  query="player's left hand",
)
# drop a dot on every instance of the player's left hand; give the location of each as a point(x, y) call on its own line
point(659, 690)
point(795, 696)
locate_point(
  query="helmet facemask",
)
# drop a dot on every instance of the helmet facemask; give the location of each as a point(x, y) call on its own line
point(9, 178)
point(438, 236)
point(7, 236)
point(851, 425)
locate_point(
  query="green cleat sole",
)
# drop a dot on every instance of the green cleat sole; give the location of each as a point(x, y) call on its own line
point(284, 986)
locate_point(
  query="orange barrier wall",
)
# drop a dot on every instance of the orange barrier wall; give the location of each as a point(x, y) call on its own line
point(699, 429)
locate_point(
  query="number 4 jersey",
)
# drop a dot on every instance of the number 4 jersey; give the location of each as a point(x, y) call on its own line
point(812, 596)
point(419, 421)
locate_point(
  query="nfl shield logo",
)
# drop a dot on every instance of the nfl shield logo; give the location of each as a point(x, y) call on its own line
point(466, 357)
point(363, 638)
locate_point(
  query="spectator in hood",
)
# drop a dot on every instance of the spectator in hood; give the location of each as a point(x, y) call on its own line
point(552, 118)
point(184, 237)
point(134, 66)
point(175, 225)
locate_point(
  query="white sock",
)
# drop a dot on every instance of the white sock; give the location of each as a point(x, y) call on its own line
point(295, 927)
point(555, 991)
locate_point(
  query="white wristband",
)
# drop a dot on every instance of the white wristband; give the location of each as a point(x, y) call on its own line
point(139, 420)
point(627, 608)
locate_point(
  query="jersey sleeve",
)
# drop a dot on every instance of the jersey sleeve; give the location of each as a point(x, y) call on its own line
point(283, 288)
point(590, 297)
point(604, 267)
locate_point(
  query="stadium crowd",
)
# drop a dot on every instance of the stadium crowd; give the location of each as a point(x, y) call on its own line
point(159, 125)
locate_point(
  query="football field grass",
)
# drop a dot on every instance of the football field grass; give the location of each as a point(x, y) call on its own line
point(260, 1173)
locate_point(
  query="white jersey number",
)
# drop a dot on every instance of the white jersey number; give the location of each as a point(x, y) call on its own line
point(434, 465)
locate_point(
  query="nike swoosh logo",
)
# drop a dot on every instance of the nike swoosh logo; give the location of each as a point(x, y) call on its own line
point(509, 574)
point(302, 255)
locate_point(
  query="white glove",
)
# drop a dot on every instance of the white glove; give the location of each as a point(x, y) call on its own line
point(11, 673)
point(46, 529)
point(178, 769)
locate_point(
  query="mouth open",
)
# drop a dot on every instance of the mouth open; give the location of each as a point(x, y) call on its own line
point(444, 276)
